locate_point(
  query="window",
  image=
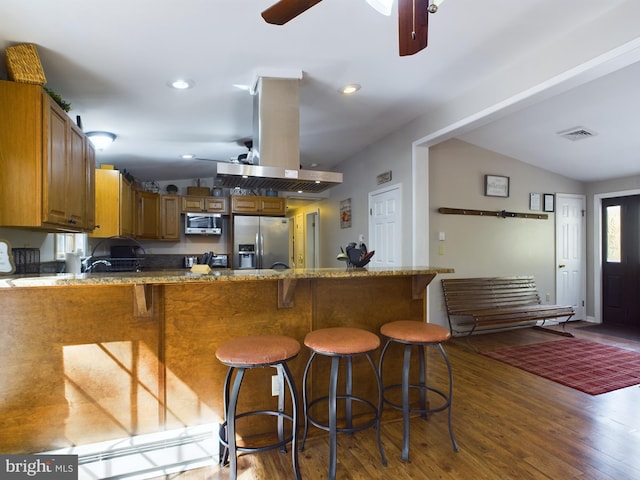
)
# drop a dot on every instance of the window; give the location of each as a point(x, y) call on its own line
point(70, 243)
point(613, 234)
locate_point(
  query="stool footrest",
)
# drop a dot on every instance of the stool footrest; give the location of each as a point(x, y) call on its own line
point(264, 448)
point(424, 388)
point(353, 428)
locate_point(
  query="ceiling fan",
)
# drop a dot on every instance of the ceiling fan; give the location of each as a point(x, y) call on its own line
point(413, 18)
point(245, 158)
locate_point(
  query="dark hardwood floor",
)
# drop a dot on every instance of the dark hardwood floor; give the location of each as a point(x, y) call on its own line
point(509, 424)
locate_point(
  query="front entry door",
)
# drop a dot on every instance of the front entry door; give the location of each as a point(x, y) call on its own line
point(621, 260)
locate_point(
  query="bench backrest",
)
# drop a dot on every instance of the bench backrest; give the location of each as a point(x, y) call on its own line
point(462, 295)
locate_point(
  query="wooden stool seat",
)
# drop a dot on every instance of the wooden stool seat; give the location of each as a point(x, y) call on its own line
point(413, 331)
point(257, 350)
point(342, 341)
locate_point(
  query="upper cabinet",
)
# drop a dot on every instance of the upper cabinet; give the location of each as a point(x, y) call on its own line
point(47, 163)
point(191, 203)
point(157, 216)
point(258, 205)
point(170, 217)
point(147, 219)
point(113, 204)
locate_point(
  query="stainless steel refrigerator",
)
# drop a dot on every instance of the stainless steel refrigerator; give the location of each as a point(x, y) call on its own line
point(260, 242)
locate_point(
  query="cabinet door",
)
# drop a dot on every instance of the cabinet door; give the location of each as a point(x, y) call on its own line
point(127, 208)
point(192, 204)
point(107, 203)
point(170, 217)
point(90, 188)
point(76, 178)
point(148, 215)
point(54, 182)
point(216, 204)
point(272, 205)
point(245, 204)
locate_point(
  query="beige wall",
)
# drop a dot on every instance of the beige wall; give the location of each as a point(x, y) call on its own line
point(474, 246)
point(490, 246)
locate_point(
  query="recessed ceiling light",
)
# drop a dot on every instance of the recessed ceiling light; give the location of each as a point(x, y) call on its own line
point(350, 88)
point(187, 156)
point(181, 84)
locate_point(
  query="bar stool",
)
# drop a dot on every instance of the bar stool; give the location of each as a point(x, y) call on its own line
point(341, 343)
point(418, 334)
point(244, 353)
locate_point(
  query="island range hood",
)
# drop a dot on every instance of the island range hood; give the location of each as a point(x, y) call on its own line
point(274, 161)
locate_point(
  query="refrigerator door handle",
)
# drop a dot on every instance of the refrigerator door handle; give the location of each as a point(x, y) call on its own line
point(258, 253)
point(261, 250)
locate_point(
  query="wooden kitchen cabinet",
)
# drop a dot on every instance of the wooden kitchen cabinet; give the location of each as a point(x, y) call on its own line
point(170, 217)
point(147, 223)
point(114, 204)
point(259, 205)
point(157, 216)
point(195, 204)
point(46, 162)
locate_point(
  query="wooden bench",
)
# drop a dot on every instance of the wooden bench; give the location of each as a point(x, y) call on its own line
point(497, 302)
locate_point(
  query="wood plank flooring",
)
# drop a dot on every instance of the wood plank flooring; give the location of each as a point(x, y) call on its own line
point(509, 424)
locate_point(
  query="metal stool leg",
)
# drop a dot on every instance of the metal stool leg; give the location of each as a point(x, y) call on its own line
point(379, 411)
point(224, 449)
point(446, 360)
point(231, 425)
point(349, 393)
point(406, 408)
point(305, 400)
point(294, 405)
point(333, 422)
point(281, 406)
point(423, 381)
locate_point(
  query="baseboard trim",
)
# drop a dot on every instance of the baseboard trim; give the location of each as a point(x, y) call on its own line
point(146, 456)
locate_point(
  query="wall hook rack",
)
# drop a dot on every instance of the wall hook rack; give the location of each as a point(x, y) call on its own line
point(492, 213)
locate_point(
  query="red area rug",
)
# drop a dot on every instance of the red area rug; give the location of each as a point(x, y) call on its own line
point(587, 366)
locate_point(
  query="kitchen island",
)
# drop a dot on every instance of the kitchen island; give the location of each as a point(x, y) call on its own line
point(87, 358)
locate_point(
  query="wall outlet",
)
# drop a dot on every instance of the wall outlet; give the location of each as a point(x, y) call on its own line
point(361, 238)
point(275, 386)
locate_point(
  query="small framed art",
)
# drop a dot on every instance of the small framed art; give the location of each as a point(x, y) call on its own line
point(534, 202)
point(549, 202)
point(496, 186)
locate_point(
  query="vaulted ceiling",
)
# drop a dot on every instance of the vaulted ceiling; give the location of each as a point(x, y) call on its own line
point(112, 61)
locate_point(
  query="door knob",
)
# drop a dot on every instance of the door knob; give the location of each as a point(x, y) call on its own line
point(562, 265)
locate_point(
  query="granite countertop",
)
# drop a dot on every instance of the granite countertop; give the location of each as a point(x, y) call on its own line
point(186, 276)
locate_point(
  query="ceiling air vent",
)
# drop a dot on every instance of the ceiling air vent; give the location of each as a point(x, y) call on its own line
point(577, 133)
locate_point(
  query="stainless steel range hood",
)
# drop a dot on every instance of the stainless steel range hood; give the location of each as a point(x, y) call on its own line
point(276, 145)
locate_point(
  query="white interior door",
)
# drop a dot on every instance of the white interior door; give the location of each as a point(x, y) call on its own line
point(570, 249)
point(385, 226)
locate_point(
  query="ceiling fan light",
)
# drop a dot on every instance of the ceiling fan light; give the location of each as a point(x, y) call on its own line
point(101, 140)
point(182, 84)
point(350, 89)
point(382, 6)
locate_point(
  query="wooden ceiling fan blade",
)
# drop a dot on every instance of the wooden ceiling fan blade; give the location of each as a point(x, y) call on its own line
point(281, 12)
point(413, 25)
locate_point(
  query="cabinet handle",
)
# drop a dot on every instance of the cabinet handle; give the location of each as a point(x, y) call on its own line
point(72, 221)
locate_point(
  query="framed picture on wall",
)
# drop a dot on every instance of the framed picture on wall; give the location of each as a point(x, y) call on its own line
point(496, 186)
point(534, 202)
point(549, 202)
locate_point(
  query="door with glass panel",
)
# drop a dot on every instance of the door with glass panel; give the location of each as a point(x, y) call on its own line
point(621, 260)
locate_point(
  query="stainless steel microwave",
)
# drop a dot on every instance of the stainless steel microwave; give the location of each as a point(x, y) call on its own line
point(203, 224)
